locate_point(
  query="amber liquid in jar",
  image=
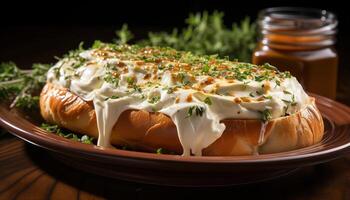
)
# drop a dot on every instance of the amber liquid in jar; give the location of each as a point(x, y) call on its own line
point(301, 41)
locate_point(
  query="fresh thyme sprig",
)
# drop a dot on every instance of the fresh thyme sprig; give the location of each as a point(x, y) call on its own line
point(67, 134)
point(22, 86)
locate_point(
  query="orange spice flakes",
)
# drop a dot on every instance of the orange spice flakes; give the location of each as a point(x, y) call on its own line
point(149, 50)
point(246, 99)
point(189, 98)
point(176, 68)
point(140, 62)
point(222, 67)
point(147, 76)
point(237, 100)
point(125, 70)
point(185, 66)
point(101, 53)
point(121, 64)
point(192, 78)
point(115, 74)
point(212, 61)
point(155, 76)
point(266, 87)
point(91, 63)
point(173, 77)
point(197, 87)
point(209, 81)
point(177, 100)
point(189, 71)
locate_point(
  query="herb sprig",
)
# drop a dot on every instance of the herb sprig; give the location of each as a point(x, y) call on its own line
point(205, 34)
point(22, 86)
point(67, 134)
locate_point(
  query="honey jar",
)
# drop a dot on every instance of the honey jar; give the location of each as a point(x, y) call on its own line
point(300, 40)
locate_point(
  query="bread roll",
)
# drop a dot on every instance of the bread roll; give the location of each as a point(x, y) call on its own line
point(148, 131)
point(151, 97)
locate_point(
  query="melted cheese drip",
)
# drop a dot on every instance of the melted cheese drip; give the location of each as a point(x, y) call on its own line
point(195, 132)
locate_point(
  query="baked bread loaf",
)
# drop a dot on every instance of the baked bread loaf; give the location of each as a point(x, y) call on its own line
point(150, 98)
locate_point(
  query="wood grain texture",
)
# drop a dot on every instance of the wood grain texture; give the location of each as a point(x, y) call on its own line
point(28, 172)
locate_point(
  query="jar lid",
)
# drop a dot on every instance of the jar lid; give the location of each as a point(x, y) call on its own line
point(297, 28)
point(297, 21)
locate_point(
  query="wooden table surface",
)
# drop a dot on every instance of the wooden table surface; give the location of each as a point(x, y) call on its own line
point(29, 172)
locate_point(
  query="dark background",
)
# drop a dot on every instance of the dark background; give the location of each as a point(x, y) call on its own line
point(38, 31)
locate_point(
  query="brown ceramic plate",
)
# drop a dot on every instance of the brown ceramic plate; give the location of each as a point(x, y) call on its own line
point(189, 171)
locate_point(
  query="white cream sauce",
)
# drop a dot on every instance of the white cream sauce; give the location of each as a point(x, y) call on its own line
point(195, 132)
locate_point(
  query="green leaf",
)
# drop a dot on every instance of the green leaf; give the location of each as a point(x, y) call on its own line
point(208, 101)
point(206, 68)
point(154, 99)
point(124, 35)
point(266, 115)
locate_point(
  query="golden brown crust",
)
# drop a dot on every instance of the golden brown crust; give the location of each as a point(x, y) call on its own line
point(148, 131)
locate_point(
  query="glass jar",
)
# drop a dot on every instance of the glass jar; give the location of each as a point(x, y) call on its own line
point(300, 40)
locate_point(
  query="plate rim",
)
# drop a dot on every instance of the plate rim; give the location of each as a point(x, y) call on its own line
point(51, 141)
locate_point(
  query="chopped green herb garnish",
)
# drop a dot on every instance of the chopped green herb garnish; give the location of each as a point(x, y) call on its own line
point(266, 115)
point(286, 74)
point(198, 110)
point(112, 80)
point(260, 78)
point(208, 101)
point(130, 80)
point(159, 151)
point(170, 90)
point(137, 88)
point(268, 66)
point(154, 99)
point(112, 97)
point(86, 139)
point(278, 82)
point(181, 76)
point(267, 96)
point(286, 101)
point(286, 92)
point(161, 67)
point(205, 68)
point(67, 134)
point(259, 92)
point(164, 151)
point(293, 101)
